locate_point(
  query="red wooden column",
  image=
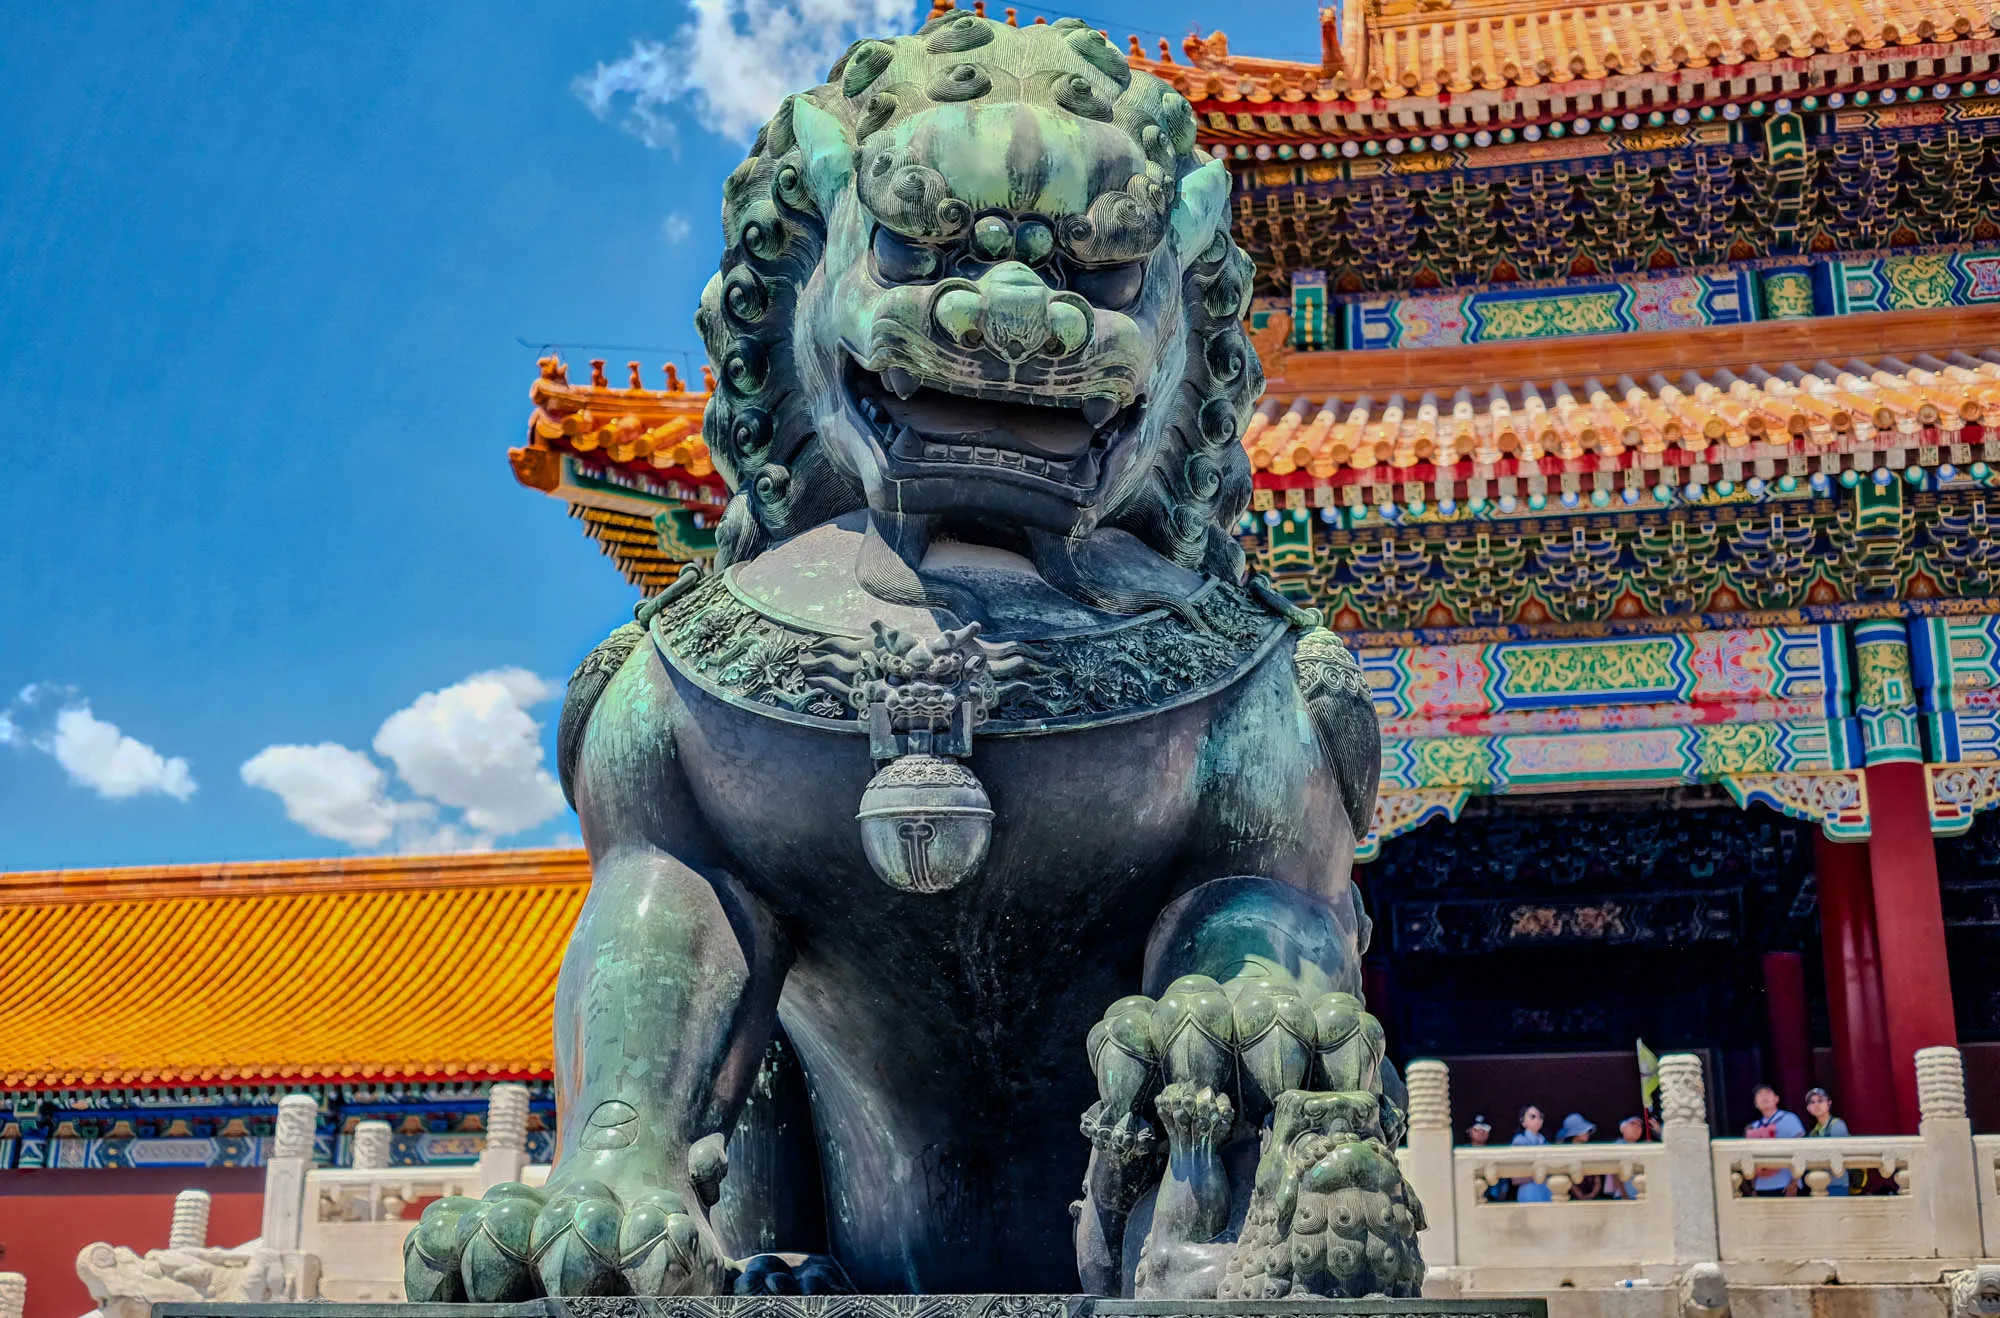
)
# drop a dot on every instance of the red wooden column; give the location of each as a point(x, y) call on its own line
point(1909, 926)
point(1864, 1094)
point(1789, 1063)
point(1909, 914)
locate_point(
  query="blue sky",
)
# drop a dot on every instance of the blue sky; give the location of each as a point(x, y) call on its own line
point(273, 278)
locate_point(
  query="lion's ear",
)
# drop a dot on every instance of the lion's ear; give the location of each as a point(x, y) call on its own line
point(1202, 209)
point(829, 159)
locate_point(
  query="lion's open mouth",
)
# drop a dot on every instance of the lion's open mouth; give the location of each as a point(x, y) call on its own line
point(1054, 439)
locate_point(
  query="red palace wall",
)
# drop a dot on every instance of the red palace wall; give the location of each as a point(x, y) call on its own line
point(47, 1217)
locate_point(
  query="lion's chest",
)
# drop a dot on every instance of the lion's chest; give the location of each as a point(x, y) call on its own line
point(1104, 809)
point(1091, 752)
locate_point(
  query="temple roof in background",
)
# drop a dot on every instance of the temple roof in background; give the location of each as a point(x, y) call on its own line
point(1435, 53)
point(1718, 419)
point(366, 968)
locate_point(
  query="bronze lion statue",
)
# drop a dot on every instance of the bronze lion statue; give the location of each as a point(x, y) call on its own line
point(974, 728)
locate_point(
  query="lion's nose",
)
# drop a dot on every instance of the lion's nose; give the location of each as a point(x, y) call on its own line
point(1011, 312)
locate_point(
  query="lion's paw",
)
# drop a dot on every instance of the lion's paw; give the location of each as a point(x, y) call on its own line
point(520, 1243)
point(477, 1250)
point(1331, 1214)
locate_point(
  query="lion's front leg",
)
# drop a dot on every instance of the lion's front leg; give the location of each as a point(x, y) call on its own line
point(665, 1002)
point(1253, 1005)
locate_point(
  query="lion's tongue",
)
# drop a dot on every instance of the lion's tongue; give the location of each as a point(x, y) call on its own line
point(1052, 432)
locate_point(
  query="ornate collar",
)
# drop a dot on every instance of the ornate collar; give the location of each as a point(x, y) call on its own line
point(956, 680)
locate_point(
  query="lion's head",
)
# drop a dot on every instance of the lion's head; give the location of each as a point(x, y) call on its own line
point(983, 279)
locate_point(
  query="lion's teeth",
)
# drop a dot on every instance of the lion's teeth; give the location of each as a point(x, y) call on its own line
point(900, 382)
point(1098, 409)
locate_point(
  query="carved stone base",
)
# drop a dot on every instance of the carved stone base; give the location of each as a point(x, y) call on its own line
point(880, 1306)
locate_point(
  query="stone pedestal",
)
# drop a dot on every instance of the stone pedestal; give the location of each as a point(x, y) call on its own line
point(880, 1306)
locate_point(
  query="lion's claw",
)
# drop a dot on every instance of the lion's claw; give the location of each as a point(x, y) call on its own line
point(1198, 1120)
point(1129, 1139)
point(520, 1243)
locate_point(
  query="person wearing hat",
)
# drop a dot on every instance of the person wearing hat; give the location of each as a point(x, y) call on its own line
point(1577, 1129)
point(1481, 1132)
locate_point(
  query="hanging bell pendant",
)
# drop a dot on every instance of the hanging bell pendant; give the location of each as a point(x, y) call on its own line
point(925, 823)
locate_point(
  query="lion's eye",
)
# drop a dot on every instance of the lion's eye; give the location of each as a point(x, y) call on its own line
point(898, 260)
point(1112, 287)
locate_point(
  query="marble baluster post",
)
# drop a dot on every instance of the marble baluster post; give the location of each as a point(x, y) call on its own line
point(285, 1172)
point(1428, 1165)
point(1951, 1177)
point(1690, 1174)
point(190, 1225)
point(506, 1149)
point(372, 1145)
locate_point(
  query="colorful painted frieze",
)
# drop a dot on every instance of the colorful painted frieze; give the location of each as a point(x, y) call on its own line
point(1907, 283)
point(1744, 674)
point(1514, 315)
point(1956, 667)
point(1645, 757)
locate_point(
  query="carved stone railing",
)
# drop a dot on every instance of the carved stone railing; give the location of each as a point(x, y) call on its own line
point(1602, 1240)
point(354, 1218)
point(1813, 1225)
point(358, 1218)
point(1929, 1195)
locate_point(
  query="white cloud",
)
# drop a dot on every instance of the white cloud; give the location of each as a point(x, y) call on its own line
point(97, 755)
point(475, 747)
point(91, 750)
point(327, 789)
point(733, 63)
point(471, 747)
point(676, 229)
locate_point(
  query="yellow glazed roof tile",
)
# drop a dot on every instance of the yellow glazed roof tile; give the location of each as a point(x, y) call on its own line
point(370, 968)
point(1427, 48)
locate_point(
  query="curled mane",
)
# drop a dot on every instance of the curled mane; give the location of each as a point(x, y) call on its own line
point(759, 424)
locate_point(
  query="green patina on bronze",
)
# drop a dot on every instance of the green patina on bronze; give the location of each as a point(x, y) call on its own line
point(976, 725)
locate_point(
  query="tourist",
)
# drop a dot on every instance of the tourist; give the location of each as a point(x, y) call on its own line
point(1480, 1132)
point(1632, 1130)
point(1773, 1122)
point(1819, 1106)
point(1577, 1129)
point(1527, 1190)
